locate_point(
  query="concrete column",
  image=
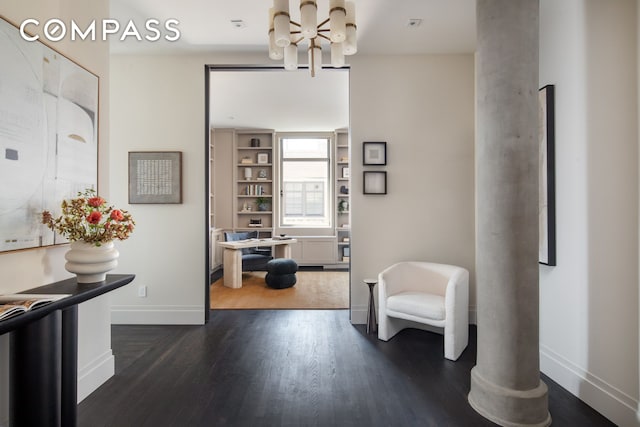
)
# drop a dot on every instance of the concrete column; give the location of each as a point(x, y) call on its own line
point(505, 383)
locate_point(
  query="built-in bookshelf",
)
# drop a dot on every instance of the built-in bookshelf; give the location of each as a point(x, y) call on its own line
point(245, 173)
point(212, 183)
point(215, 251)
point(254, 181)
point(343, 201)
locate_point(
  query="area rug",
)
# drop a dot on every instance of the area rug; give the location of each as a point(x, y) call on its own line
point(313, 290)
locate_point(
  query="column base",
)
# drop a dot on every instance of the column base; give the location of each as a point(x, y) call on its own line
point(507, 407)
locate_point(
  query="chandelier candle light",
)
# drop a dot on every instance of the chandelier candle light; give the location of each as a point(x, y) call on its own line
point(285, 35)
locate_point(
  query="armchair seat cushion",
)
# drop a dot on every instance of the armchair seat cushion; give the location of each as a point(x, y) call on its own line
point(419, 304)
point(254, 262)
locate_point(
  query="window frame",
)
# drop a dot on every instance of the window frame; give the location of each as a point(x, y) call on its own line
point(329, 137)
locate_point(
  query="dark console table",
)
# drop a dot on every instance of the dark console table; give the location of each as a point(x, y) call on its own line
point(44, 354)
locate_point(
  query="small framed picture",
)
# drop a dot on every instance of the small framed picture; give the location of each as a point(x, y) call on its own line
point(345, 172)
point(374, 153)
point(263, 158)
point(375, 182)
point(155, 177)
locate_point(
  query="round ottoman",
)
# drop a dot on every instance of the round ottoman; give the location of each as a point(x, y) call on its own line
point(281, 273)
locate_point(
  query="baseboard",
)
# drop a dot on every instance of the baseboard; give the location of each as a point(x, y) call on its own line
point(157, 315)
point(473, 315)
point(335, 267)
point(359, 315)
point(605, 398)
point(95, 373)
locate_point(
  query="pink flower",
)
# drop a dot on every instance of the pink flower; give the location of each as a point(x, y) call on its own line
point(116, 215)
point(96, 202)
point(94, 217)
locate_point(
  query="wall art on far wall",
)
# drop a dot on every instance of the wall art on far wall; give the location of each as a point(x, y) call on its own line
point(375, 182)
point(263, 158)
point(546, 178)
point(374, 153)
point(48, 137)
point(155, 177)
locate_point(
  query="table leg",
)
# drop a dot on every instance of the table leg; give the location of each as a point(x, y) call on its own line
point(282, 251)
point(69, 366)
point(232, 268)
point(35, 373)
point(372, 326)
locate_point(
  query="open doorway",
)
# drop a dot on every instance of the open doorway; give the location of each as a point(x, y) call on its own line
point(278, 162)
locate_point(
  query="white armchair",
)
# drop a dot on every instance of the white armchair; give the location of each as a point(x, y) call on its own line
point(428, 296)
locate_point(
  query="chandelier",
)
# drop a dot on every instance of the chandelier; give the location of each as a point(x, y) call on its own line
point(285, 35)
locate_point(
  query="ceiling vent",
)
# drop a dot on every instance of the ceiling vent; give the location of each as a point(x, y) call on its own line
point(238, 23)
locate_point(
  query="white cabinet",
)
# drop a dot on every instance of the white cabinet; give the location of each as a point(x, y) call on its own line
point(311, 250)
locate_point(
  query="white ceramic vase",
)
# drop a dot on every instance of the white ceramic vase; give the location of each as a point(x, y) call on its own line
point(91, 263)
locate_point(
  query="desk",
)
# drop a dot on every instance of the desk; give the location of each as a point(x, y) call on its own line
point(44, 354)
point(233, 256)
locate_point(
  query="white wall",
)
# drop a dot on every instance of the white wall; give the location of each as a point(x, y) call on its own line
point(426, 116)
point(157, 104)
point(26, 269)
point(589, 301)
point(423, 107)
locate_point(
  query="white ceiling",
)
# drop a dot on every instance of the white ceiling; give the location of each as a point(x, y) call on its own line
point(293, 101)
point(448, 26)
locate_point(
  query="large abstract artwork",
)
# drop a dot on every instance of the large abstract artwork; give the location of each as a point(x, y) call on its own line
point(48, 137)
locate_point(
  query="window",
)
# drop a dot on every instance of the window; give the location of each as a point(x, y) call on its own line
point(305, 182)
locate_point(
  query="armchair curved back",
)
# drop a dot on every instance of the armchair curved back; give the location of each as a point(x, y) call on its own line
point(418, 276)
point(241, 235)
point(253, 259)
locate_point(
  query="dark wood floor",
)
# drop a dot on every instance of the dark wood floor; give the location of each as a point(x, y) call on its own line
point(292, 368)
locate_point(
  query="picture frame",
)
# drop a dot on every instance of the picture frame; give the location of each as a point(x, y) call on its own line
point(263, 158)
point(49, 110)
point(374, 182)
point(345, 172)
point(374, 153)
point(155, 177)
point(546, 178)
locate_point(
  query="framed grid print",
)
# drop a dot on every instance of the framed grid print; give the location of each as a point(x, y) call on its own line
point(155, 177)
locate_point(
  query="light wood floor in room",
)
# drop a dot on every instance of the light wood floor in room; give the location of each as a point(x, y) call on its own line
point(313, 290)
